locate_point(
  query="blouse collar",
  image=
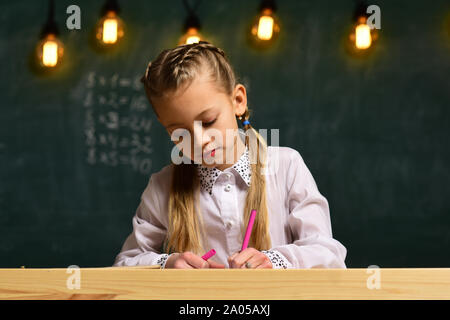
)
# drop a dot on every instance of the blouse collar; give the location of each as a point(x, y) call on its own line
point(208, 175)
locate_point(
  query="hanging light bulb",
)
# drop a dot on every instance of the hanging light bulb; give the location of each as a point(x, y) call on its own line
point(265, 27)
point(362, 35)
point(191, 36)
point(49, 49)
point(191, 28)
point(110, 28)
point(363, 38)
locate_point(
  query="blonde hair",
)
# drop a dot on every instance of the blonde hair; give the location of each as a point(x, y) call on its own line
point(172, 69)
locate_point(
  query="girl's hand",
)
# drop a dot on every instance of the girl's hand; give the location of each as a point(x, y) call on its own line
point(189, 260)
point(256, 259)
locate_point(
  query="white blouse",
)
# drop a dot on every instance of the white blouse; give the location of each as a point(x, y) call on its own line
point(299, 218)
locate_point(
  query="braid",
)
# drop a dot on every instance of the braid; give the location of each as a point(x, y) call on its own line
point(245, 116)
point(179, 65)
point(192, 51)
point(147, 71)
point(211, 47)
point(179, 61)
point(247, 126)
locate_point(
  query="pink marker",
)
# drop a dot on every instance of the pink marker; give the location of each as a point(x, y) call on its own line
point(249, 229)
point(209, 254)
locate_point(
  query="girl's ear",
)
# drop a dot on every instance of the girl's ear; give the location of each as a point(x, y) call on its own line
point(240, 99)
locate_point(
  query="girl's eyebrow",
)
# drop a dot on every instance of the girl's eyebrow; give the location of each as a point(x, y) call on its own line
point(198, 116)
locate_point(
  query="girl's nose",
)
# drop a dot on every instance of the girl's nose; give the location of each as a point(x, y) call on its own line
point(201, 137)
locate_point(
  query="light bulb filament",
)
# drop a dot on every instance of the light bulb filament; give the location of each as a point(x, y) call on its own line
point(50, 53)
point(363, 38)
point(110, 31)
point(265, 28)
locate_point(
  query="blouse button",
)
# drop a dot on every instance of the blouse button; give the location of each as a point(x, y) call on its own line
point(228, 187)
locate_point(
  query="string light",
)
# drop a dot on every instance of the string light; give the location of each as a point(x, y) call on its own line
point(265, 27)
point(49, 49)
point(362, 36)
point(191, 28)
point(110, 28)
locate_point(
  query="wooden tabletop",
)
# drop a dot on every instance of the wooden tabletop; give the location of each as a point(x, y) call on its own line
point(224, 284)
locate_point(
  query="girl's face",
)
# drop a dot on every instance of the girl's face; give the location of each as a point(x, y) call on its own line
point(203, 101)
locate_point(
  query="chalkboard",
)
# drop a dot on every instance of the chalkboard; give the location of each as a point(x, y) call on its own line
point(78, 147)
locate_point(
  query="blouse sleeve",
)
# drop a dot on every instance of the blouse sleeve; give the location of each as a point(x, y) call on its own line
point(142, 245)
point(309, 222)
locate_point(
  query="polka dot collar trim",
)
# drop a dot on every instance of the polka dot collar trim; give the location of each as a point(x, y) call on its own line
point(208, 176)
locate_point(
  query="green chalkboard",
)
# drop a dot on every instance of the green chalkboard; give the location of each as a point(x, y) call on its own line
point(77, 147)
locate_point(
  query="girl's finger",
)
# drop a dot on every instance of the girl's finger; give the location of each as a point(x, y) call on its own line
point(232, 257)
point(196, 261)
point(242, 257)
point(215, 265)
point(183, 265)
point(255, 261)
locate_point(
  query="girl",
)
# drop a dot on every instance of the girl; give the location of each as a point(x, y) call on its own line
point(189, 208)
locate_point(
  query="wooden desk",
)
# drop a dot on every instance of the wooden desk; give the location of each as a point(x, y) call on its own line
point(224, 284)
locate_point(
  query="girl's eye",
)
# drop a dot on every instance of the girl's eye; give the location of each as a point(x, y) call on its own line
point(207, 124)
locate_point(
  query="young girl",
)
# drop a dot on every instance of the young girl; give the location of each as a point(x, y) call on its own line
point(189, 208)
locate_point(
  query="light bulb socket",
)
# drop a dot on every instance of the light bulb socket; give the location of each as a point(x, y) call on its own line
point(110, 5)
point(192, 21)
point(50, 26)
point(268, 4)
point(360, 11)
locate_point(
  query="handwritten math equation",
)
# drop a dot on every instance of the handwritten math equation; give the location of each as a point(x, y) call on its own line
point(117, 122)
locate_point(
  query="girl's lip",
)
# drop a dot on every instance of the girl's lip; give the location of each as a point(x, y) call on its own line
point(210, 153)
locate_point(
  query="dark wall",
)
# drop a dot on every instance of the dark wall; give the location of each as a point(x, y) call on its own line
point(373, 130)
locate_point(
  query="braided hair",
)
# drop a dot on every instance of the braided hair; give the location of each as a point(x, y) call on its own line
point(174, 67)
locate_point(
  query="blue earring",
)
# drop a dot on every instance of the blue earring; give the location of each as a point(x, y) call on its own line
point(246, 122)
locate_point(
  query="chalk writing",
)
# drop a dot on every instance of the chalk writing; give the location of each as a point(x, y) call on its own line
point(116, 128)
